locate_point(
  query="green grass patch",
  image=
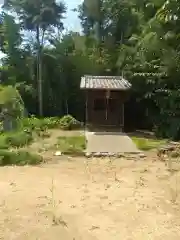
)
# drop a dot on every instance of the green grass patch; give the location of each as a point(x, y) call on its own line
point(19, 158)
point(71, 145)
point(146, 144)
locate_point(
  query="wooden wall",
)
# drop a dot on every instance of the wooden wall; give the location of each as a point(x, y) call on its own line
point(105, 117)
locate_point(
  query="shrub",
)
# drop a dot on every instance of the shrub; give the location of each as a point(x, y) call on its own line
point(69, 123)
point(19, 158)
point(19, 139)
point(15, 139)
point(52, 122)
point(40, 124)
point(33, 123)
point(36, 124)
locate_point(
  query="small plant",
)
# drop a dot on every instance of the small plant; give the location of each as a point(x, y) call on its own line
point(174, 192)
point(53, 203)
point(69, 123)
point(55, 219)
point(19, 158)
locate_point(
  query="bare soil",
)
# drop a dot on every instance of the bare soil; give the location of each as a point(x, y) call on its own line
point(76, 198)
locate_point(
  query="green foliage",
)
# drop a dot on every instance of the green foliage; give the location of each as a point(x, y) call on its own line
point(19, 158)
point(15, 139)
point(34, 124)
point(11, 102)
point(52, 122)
point(71, 145)
point(33, 14)
point(3, 142)
point(39, 124)
point(19, 139)
point(69, 123)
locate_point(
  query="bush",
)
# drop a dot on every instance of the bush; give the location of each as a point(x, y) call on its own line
point(36, 124)
point(52, 122)
point(40, 124)
point(69, 123)
point(19, 139)
point(19, 158)
point(3, 142)
point(33, 123)
point(15, 139)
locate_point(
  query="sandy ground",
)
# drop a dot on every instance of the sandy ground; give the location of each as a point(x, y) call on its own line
point(77, 199)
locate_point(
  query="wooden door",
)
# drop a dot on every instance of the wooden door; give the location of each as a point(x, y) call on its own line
point(113, 112)
point(99, 111)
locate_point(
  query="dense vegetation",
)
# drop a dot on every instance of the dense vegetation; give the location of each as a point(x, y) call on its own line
point(13, 143)
point(139, 39)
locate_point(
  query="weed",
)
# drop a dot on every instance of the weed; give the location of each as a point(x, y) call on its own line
point(174, 192)
point(55, 219)
point(53, 203)
point(69, 123)
point(113, 169)
point(170, 164)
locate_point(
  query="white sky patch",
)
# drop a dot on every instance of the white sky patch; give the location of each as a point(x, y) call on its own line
point(71, 21)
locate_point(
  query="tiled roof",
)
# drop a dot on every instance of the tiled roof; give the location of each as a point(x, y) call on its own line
point(104, 82)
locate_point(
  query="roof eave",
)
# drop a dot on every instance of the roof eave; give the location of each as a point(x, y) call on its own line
point(108, 89)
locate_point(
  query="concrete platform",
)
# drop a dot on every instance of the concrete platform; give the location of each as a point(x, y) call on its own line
point(109, 142)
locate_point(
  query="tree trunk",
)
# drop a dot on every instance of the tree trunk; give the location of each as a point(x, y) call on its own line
point(98, 27)
point(99, 23)
point(67, 107)
point(39, 72)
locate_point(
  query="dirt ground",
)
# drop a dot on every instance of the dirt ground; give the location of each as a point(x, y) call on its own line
point(75, 199)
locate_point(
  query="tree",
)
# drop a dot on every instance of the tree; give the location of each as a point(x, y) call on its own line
point(38, 16)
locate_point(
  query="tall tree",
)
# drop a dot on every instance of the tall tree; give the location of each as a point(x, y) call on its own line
point(39, 16)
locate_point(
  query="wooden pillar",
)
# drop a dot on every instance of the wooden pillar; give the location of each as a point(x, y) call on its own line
point(123, 115)
point(108, 93)
point(86, 113)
